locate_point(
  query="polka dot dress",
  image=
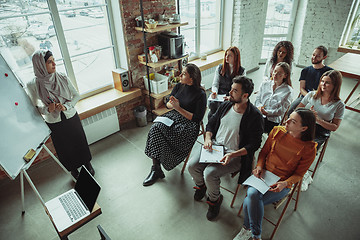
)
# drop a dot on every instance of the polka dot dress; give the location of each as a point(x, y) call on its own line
point(171, 145)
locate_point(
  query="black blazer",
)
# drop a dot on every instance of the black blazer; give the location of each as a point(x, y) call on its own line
point(251, 129)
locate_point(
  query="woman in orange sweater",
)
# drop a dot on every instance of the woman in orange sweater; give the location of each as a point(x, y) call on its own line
point(288, 153)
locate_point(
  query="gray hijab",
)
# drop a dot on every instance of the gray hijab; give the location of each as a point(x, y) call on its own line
point(53, 85)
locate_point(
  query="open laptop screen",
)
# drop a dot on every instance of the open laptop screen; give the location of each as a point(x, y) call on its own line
point(88, 188)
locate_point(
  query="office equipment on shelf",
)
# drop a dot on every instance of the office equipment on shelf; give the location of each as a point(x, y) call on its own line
point(121, 79)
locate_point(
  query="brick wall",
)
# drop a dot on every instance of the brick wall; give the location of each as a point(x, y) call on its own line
point(134, 39)
point(319, 22)
point(248, 30)
point(125, 110)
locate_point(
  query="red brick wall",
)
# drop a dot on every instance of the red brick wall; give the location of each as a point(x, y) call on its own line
point(125, 110)
point(134, 39)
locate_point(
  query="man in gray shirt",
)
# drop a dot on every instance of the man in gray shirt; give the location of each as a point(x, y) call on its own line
point(237, 125)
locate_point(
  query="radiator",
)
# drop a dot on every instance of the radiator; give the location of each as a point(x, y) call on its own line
point(207, 77)
point(101, 125)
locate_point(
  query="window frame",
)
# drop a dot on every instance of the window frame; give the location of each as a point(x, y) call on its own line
point(198, 26)
point(54, 13)
point(288, 35)
point(354, 12)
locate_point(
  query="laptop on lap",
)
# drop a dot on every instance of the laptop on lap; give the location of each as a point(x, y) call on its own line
point(75, 204)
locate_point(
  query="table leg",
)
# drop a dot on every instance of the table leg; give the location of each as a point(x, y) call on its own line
point(22, 191)
point(352, 91)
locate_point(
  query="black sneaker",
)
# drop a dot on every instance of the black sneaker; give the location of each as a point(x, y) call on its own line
point(214, 208)
point(199, 192)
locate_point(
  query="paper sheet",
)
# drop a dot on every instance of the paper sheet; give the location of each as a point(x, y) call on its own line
point(262, 184)
point(213, 156)
point(219, 98)
point(167, 121)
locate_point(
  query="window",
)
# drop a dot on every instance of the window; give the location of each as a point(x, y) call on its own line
point(351, 35)
point(278, 24)
point(203, 34)
point(77, 32)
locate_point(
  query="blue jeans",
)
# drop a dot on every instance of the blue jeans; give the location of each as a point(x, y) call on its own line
point(254, 208)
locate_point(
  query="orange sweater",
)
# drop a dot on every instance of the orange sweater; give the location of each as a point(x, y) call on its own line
point(286, 156)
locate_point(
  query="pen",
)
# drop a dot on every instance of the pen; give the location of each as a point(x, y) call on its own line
point(51, 100)
point(262, 179)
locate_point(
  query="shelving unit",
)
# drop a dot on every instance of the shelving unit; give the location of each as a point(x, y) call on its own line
point(162, 28)
point(163, 62)
point(158, 98)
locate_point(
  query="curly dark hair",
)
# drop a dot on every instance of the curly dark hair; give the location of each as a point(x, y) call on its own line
point(289, 55)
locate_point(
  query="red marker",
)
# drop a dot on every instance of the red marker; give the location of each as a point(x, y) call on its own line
point(6, 75)
point(16, 103)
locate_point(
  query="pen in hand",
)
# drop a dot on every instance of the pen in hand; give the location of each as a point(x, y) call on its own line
point(51, 100)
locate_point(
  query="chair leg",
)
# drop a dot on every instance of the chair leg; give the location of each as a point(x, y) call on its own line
point(321, 156)
point(202, 129)
point(298, 194)
point(235, 194)
point(284, 210)
point(185, 162)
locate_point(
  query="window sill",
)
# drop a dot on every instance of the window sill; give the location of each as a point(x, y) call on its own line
point(348, 50)
point(212, 60)
point(90, 106)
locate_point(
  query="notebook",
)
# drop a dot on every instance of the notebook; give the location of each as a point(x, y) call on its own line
point(75, 204)
point(213, 156)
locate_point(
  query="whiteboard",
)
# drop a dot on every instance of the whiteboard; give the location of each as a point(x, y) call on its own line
point(21, 125)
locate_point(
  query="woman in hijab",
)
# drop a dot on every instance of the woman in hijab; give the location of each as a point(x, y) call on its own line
point(55, 97)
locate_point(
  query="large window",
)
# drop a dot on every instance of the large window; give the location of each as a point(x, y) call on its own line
point(77, 32)
point(351, 35)
point(203, 35)
point(278, 24)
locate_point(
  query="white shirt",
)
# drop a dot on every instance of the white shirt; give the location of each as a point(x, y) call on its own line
point(228, 132)
point(276, 101)
point(53, 117)
point(327, 111)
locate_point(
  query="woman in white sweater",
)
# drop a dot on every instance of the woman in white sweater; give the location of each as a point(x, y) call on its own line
point(275, 96)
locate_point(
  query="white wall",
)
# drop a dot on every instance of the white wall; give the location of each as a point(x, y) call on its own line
point(319, 22)
point(248, 30)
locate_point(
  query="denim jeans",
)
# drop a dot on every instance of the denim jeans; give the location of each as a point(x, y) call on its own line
point(254, 208)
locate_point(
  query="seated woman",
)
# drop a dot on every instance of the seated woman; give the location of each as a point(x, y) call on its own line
point(55, 97)
point(288, 153)
point(224, 75)
point(275, 96)
point(283, 52)
point(170, 145)
point(326, 105)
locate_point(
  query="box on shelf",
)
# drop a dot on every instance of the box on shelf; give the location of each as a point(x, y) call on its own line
point(158, 85)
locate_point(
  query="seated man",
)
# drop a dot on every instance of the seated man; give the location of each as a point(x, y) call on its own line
point(238, 126)
point(310, 76)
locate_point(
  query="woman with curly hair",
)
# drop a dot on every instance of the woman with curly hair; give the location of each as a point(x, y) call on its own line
point(283, 52)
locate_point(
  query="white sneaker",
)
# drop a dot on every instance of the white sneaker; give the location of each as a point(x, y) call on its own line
point(243, 235)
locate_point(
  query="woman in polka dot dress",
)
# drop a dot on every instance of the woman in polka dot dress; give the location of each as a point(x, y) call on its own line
point(169, 146)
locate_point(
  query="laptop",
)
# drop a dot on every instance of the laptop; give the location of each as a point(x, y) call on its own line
point(75, 204)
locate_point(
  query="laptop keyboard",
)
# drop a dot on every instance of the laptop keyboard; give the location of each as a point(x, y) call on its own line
point(72, 206)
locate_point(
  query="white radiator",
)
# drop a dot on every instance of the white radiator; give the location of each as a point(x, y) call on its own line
point(207, 77)
point(101, 125)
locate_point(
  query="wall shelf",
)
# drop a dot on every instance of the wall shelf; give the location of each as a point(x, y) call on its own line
point(162, 28)
point(163, 62)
